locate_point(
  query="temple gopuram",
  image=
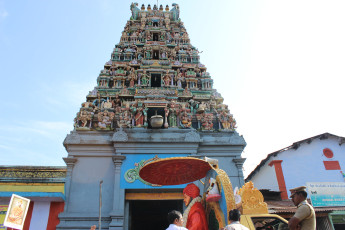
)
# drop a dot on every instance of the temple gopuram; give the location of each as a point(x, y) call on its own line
point(153, 99)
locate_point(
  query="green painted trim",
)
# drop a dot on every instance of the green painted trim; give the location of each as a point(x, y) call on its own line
point(331, 220)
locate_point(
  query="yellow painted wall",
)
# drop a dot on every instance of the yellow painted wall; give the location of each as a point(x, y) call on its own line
point(3, 210)
point(32, 187)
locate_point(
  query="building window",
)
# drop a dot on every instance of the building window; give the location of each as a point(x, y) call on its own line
point(156, 80)
point(155, 37)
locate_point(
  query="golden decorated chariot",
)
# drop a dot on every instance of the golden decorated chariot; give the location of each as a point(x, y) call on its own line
point(218, 195)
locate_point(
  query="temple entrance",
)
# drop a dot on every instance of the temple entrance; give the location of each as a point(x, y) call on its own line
point(151, 214)
point(155, 80)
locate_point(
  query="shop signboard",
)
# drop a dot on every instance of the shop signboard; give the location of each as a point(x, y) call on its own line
point(323, 194)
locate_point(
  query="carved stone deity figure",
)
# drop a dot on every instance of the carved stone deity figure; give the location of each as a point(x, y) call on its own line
point(167, 23)
point(105, 119)
point(132, 77)
point(179, 79)
point(166, 112)
point(162, 36)
point(145, 79)
point(87, 104)
point(168, 36)
point(186, 92)
point(143, 22)
point(98, 102)
point(173, 54)
point(148, 35)
point(222, 107)
point(185, 119)
point(213, 103)
point(128, 70)
point(145, 116)
point(124, 120)
point(232, 122)
point(173, 112)
point(224, 119)
point(139, 79)
point(147, 53)
point(139, 53)
point(194, 105)
point(117, 101)
point(207, 123)
point(139, 115)
point(106, 104)
point(197, 71)
point(163, 53)
point(83, 118)
point(166, 79)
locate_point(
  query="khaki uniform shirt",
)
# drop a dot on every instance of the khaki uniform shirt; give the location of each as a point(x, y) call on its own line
point(306, 214)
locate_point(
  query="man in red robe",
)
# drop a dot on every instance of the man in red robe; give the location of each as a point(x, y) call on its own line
point(194, 216)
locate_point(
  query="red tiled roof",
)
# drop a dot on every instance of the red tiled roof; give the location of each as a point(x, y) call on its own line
point(286, 206)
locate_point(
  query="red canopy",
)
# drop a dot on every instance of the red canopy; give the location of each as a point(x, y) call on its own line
point(174, 171)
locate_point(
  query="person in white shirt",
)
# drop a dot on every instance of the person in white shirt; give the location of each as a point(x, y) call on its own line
point(175, 220)
point(234, 218)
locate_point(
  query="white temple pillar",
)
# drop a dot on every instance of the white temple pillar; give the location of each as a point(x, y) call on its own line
point(118, 212)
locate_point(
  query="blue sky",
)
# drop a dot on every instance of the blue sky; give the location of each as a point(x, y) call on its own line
point(279, 66)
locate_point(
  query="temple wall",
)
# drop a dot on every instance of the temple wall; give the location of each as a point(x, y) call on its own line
point(111, 157)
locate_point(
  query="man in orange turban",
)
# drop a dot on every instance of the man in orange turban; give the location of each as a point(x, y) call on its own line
point(194, 216)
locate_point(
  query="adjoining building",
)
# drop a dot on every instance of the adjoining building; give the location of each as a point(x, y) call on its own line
point(153, 99)
point(316, 162)
point(44, 186)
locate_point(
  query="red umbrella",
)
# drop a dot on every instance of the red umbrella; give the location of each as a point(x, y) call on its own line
point(174, 171)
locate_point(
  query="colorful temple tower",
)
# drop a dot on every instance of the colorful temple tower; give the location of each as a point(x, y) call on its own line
point(153, 99)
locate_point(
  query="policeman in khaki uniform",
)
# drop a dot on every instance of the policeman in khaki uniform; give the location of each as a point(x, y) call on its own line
point(304, 218)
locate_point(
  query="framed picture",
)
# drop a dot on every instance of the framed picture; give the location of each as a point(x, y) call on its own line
point(16, 212)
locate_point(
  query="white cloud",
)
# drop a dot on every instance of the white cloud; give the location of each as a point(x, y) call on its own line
point(3, 14)
point(52, 125)
point(21, 155)
point(6, 147)
point(44, 129)
point(33, 142)
point(66, 92)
